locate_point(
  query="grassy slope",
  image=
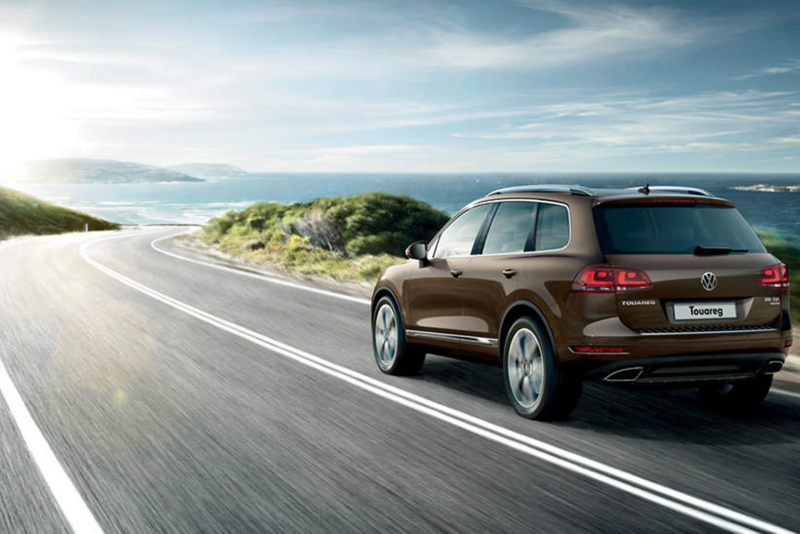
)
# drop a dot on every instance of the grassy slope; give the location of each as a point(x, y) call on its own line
point(21, 214)
point(351, 238)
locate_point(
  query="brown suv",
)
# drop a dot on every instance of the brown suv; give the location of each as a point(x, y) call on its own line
point(561, 284)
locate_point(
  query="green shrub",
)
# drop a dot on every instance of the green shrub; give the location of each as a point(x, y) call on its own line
point(372, 223)
point(788, 251)
point(352, 238)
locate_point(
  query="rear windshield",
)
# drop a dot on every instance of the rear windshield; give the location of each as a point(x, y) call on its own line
point(673, 229)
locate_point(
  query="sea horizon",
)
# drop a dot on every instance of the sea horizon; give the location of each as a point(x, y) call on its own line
point(195, 203)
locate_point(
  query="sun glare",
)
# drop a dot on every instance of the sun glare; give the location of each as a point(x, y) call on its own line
point(33, 113)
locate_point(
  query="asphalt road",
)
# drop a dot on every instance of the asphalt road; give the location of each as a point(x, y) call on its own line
point(145, 393)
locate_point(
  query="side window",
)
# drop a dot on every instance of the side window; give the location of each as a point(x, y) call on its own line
point(458, 238)
point(552, 227)
point(510, 228)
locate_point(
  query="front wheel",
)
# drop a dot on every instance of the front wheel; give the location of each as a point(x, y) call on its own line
point(392, 353)
point(536, 387)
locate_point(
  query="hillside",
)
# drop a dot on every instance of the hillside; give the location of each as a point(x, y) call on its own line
point(209, 170)
point(351, 238)
point(96, 171)
point(22, 214)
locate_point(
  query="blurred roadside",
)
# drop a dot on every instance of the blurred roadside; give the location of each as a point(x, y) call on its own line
point(789, 378)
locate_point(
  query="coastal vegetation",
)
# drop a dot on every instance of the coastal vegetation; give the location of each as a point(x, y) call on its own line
point(788, 252)
point(350, 238)
point(21, 214)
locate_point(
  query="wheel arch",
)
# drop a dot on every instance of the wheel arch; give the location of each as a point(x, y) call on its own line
point(379, 294)
point(522, 308)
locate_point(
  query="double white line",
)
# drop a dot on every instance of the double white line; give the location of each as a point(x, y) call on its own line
point(699, 509)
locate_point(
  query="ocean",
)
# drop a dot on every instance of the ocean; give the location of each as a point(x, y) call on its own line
point(197, 202)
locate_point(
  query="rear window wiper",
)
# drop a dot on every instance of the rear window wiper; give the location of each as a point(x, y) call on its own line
point(701, 250)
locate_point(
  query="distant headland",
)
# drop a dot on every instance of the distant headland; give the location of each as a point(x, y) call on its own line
point(766, 188)
point(97, 171)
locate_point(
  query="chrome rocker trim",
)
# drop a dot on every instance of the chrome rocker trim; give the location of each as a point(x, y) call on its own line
point(439, 336)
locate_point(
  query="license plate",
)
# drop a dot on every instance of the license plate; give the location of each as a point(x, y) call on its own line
point(697, 311)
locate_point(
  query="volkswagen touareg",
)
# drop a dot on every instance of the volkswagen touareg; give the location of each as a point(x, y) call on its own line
point(563, 284)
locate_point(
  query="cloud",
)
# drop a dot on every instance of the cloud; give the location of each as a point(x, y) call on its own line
point(592, 33)
point(635, 124)
point(792, 66)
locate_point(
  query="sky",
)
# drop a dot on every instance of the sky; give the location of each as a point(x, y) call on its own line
point(407, 86)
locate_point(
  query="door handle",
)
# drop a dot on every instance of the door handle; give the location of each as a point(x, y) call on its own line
point(456, 272)
point(508, 273)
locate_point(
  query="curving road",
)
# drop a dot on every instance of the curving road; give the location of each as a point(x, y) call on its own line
point(145, 393)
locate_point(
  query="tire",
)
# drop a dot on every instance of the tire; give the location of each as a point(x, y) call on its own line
point(392, 352)
point(740, 394)
point(529, 364)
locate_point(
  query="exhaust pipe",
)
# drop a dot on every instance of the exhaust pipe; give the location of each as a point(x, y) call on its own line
point(773, 367)
point(629, 374)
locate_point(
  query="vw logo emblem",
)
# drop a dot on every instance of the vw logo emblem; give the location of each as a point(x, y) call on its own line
point(709, 281)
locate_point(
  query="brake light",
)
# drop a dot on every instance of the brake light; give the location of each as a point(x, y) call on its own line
point(606, 279)
point(776, 277)
point(787, 343)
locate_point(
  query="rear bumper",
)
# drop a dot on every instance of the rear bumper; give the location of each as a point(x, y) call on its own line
point(687, 369)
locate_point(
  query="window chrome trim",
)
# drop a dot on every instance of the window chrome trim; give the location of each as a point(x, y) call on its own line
point(440, 336)
point(495, 201)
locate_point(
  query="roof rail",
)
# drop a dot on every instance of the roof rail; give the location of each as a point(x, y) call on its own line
point(545, 188)
point(674, 189)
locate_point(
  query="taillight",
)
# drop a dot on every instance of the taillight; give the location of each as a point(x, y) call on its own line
point(594, 279)
point(631, 279)
point(606, 279)
point(776, 277)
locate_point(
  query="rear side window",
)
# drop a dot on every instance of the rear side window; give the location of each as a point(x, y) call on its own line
point(673, 229)
point(552, 227)
point(510, 228)
point(459, 236)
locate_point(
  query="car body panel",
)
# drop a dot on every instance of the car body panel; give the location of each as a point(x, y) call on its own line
point(472, 311)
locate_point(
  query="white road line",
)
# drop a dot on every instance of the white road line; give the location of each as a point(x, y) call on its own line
point(262, 277)
point(67, 497)
point(702, 510)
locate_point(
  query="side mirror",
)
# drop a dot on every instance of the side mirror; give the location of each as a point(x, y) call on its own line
point(417, 251)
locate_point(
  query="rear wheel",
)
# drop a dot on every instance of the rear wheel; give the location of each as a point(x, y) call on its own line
point(743, 393)
point(536, 387)
point(393, 354)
